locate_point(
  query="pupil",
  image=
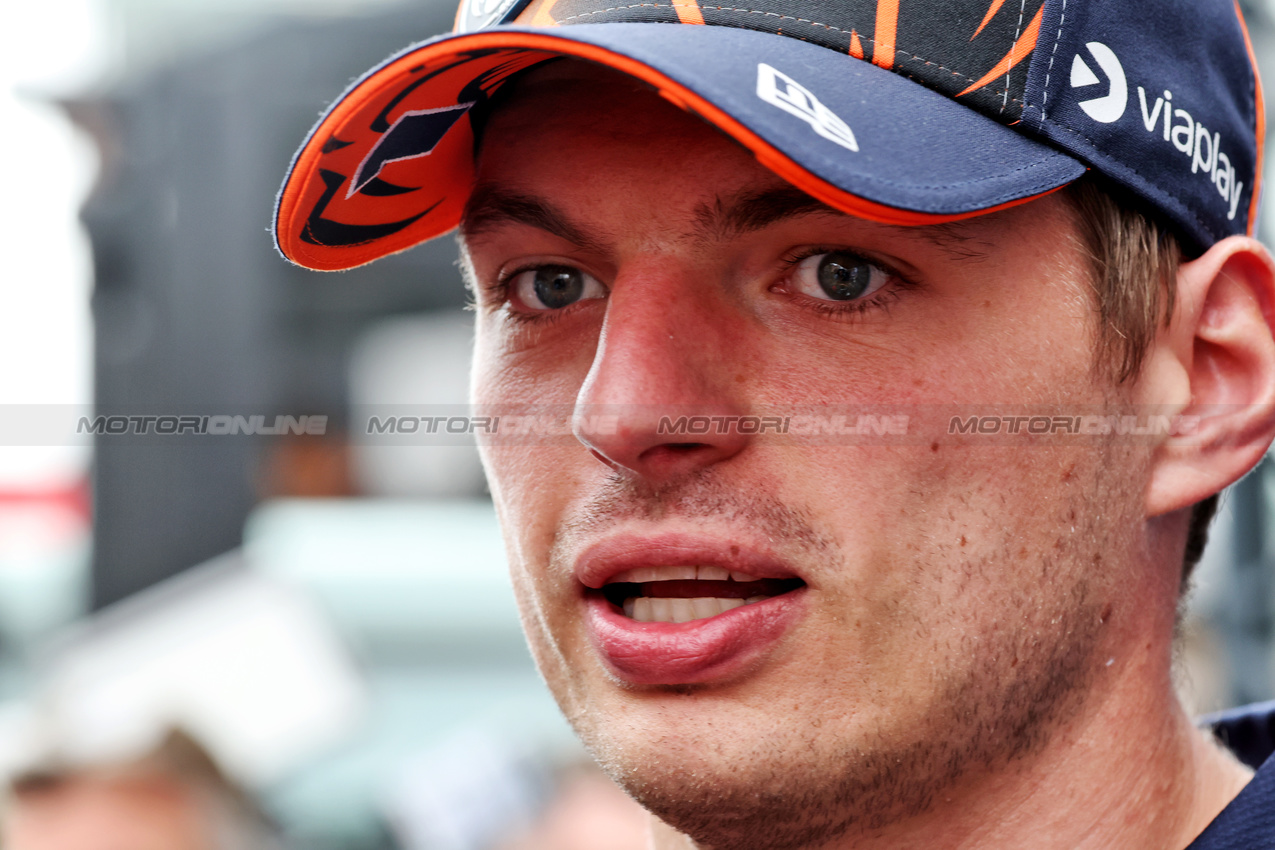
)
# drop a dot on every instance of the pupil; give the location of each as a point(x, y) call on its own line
point(558, 287)
point(844, 277)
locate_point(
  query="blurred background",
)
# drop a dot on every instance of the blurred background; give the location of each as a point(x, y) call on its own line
point(288, 641)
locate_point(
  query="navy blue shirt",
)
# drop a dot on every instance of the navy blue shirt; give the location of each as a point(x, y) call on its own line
point(1248, 823)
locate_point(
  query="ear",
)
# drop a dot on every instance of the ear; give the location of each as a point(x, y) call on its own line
point(1215, 361)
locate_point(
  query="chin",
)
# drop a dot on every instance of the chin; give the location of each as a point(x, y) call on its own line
point(772, 778)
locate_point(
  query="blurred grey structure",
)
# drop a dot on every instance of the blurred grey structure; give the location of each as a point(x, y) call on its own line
point(415, 360)
point(194, 310)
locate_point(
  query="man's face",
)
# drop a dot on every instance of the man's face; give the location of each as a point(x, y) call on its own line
point(932, 609)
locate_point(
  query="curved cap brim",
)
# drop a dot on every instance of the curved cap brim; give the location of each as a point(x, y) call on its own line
point(391, 163)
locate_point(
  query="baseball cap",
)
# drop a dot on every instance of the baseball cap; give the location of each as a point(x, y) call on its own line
point(904, 112)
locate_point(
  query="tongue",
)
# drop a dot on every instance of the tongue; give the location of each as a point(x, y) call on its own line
point(700, 588)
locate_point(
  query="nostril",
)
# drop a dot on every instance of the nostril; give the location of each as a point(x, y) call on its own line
point(642, 443)
point(668, 456)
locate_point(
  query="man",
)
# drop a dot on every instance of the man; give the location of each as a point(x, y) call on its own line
point(946, 214)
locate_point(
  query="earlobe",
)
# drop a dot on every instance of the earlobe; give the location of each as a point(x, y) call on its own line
point(1222, 341)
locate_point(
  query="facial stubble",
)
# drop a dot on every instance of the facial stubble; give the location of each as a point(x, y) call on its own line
point(790, 791)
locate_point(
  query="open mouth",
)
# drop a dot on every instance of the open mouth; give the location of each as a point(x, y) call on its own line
point(685, 593)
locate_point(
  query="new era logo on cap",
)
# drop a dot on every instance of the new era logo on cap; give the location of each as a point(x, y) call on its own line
point(779, 89)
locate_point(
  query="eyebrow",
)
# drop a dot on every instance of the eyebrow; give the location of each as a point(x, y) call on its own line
point(723, 219)
point(749, 212)
point(720, 220)
point(489, 206)
point(955, 239)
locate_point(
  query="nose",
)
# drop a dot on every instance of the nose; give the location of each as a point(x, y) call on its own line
point(664, 394)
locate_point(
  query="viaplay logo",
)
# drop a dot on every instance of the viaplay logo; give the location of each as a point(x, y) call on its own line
point(1188, 136)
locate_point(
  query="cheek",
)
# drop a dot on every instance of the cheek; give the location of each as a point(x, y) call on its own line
point(530, 486)
point(934, 540)
point(527, 460)
point(533, 363)
point(535, 463)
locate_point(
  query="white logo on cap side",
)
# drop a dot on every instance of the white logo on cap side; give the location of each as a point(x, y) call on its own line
point(779, 89)
point(1108, 108)
point(1205, 149)
point(477, 14)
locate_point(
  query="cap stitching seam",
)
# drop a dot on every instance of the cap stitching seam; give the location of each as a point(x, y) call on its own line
point(701, 7)
point(1044, 92)
point(1018, 30)
point(897, 52)
point(954, 73)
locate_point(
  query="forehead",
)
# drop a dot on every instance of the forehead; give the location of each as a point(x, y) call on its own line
point(566, 86)
point(569, 133)
point(571, 119)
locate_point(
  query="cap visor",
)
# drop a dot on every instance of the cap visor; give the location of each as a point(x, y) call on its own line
point(391, 163)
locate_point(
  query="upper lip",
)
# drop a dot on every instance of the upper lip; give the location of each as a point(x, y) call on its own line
point(601, 561)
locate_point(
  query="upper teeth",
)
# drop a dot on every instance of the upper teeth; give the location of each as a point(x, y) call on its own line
point(704, 573)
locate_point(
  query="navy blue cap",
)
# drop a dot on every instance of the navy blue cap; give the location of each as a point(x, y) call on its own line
point(928, 112)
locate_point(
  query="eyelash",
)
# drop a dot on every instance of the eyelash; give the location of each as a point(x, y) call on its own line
point(844, 310)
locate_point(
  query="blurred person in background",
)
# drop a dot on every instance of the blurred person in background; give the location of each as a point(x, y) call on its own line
point(174, 798)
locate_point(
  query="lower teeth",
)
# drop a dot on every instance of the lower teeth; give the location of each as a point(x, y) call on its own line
point(653, 609)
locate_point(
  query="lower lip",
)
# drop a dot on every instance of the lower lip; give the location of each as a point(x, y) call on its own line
point(698, 651)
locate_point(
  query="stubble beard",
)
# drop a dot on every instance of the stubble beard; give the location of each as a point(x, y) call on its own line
point(792, 791)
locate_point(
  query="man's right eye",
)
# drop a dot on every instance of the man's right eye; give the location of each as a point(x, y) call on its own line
point(553, 287)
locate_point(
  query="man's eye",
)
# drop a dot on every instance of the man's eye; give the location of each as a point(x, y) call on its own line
point(838, 276)
point(554, 287)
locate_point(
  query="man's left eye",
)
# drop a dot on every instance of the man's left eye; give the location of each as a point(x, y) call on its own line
point(838, 276)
